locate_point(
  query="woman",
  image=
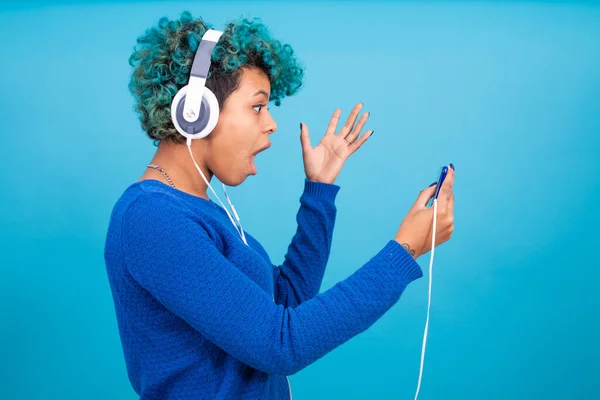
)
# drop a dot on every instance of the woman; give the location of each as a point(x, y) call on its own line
point(201, 310)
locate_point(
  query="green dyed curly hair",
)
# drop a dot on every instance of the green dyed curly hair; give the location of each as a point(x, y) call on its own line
point(163, 57)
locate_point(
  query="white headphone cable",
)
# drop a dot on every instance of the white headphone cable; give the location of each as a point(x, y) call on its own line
point(189, 145)
point(235, 214)
point(428, 297)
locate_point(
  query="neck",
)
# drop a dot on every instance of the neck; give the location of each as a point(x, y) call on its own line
point(176, 161)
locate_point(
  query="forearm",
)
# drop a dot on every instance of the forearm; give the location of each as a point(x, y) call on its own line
point(331, 318)
point(300, 276)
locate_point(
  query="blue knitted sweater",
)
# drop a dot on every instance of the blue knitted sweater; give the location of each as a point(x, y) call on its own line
point(203, 316)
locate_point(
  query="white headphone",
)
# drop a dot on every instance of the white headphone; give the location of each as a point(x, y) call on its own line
point(195, 111)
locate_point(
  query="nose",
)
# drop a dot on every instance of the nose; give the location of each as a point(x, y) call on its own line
point(270, 124)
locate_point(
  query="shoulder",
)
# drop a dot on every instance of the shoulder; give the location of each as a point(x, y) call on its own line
point(145, 198)
point(152, 207)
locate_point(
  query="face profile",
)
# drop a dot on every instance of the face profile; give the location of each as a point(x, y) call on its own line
point(242, 131)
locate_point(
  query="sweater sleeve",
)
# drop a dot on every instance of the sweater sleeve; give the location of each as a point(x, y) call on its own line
point(174, 258)
point(300, 277)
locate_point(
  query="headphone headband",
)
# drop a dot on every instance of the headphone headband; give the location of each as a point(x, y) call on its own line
point(198, 75)
point(204, 53)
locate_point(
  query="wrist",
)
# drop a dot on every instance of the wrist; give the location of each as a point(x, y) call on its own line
point(328, 181)
point(320, 190)
point(412, 250)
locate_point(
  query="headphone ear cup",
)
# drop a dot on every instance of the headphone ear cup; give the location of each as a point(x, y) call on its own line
point(207, 118)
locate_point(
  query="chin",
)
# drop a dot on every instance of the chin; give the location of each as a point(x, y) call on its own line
point(233, 180)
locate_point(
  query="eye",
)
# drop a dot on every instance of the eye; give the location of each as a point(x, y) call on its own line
point(260, 106)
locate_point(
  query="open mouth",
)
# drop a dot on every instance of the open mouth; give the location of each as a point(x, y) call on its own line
point(265, 147)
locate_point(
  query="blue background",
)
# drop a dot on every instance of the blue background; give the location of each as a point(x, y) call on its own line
point(507, 91)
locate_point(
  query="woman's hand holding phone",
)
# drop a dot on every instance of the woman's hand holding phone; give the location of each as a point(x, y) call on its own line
point(415, 231)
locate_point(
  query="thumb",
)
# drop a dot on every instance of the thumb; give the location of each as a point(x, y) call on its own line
point(425, 195)
point(304, 137)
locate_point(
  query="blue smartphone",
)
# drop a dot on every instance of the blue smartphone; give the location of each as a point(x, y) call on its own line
point(440, 180)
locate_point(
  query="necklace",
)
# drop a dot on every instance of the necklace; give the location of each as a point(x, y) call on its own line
point(162, 171)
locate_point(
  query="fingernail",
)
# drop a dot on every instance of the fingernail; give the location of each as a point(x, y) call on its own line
point(452, 166)
point(300, 125)
point(433, 184)
point(372, 132)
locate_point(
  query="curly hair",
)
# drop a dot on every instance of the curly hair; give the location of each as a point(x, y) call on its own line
point(163, 56)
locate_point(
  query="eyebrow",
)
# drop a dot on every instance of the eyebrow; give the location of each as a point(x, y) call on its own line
point(260, 91)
